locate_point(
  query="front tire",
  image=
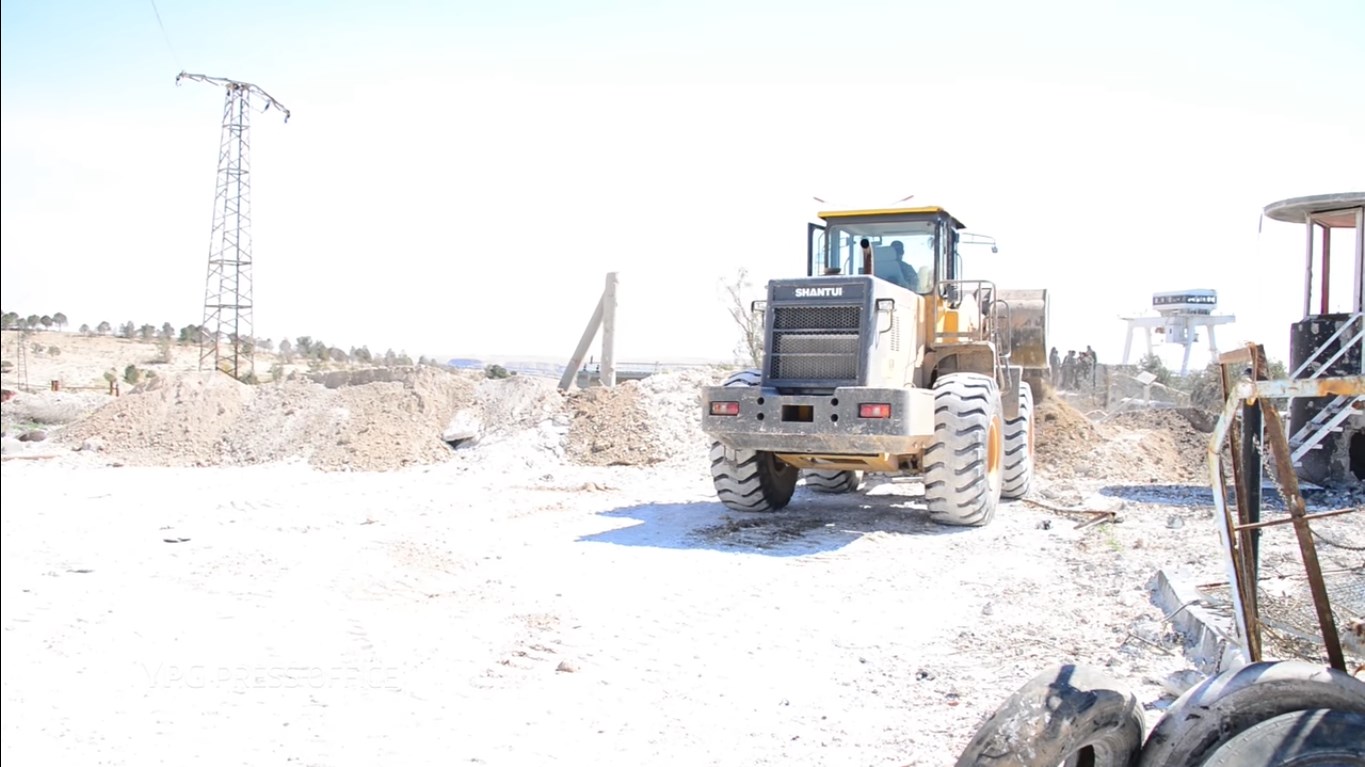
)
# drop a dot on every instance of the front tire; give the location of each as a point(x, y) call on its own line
point(1323, 737)
point(1019, 441)
point(1216, 710)
point(751, 480)
point(964, 467)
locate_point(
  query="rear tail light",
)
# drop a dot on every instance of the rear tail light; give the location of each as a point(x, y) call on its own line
point(724, 408)
point(874, 410)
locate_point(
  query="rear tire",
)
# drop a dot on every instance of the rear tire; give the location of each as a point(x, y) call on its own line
point(1298, 739)
point(751, 480)
point(832, 482)
point(1019, 441)
point(963, 469)
point(1069, 715)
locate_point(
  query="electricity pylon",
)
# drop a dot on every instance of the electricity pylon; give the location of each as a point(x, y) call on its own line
point(226, 336)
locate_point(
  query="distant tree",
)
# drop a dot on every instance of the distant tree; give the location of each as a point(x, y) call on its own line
point(33, 321)
point(749, 323)
point(164, 354)
point(304, 345)
point(46, 322)
point(85, 330)
point(1151, 363)
point(188, 335)
point(148, 332)
point(167, 330)
point(287, 350)
point(59, 319)
point(1206, 388)
point(266, 344)
point(128, 330)
point(103, 328)
point(362, 355)
point(390, 358)
point(9, 320)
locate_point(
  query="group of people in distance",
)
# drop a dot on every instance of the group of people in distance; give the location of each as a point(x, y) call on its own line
point(1073, 370)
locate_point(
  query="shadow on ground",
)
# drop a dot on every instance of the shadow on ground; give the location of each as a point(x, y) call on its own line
point(1201, 496)
point(811, 524)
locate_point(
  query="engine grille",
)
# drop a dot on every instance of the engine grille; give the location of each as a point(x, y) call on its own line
point(815, 343)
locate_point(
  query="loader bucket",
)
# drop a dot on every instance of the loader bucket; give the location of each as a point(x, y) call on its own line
point(1028, 313)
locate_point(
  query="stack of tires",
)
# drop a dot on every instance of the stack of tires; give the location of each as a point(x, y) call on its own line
point(1268, 714)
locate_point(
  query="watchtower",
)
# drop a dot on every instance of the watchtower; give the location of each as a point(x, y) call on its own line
point(1328, 433)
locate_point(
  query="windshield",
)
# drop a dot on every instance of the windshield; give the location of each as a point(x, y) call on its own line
point(903, 252)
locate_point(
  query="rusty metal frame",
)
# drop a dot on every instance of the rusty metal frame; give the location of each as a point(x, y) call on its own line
point(1237, 533)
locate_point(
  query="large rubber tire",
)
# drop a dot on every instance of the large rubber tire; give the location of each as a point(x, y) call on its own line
point(1068, 715)
point(1320, 738)
point(1019, 441)
point(964, 467)
point(832, 482)
point(751, 480)
point(1212, 712)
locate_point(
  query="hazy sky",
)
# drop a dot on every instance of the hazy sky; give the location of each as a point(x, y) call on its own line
point(458, 177)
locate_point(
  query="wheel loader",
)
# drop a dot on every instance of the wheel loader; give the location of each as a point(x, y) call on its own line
point(887, 358)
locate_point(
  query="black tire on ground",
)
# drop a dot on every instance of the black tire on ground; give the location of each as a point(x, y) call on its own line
point(1212, 712)
point(832, 481)
point(964, 466)
point(1067, 715)
point(751, 480)
point(1319, 737)
point(1017, 477)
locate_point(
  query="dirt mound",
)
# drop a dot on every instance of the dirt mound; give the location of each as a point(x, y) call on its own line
point(1065, 438)
point(170, 420)
point(654, 420)
point(209, 419)
point(1150, 446)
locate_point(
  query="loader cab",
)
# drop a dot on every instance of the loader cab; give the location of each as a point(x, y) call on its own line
point(877, 242)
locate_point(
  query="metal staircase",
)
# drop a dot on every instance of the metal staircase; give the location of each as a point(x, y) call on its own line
point(1340, 407)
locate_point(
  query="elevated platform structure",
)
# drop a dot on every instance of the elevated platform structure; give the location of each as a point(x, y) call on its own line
point(1328, 432)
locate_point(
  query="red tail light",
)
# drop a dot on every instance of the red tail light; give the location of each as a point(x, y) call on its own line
point(874, 410)
point(724, 408)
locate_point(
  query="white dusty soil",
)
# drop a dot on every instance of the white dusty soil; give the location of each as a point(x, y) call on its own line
point(562, 588)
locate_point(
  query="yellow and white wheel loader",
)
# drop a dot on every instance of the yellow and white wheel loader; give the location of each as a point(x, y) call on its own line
point(888, 357)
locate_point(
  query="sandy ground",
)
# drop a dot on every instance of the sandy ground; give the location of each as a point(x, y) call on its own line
point(527, 600)
point(610, 615)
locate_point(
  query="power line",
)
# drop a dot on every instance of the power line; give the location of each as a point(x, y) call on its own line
point(166, 36)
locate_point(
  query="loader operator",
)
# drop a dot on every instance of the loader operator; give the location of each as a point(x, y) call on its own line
point(908, 277)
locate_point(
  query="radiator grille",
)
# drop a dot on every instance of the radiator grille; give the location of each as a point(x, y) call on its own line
point(815, 343)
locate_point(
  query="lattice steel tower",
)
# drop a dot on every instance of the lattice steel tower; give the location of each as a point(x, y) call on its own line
point(226, 336)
